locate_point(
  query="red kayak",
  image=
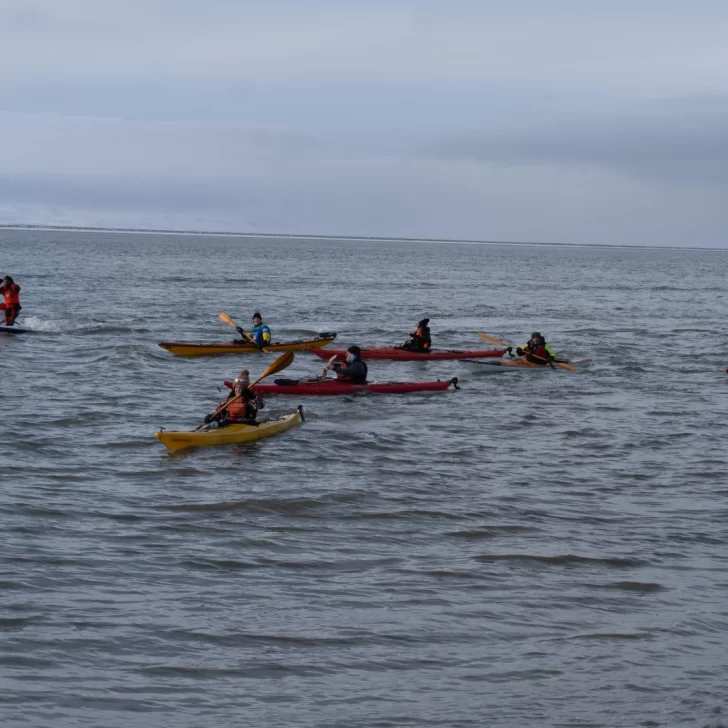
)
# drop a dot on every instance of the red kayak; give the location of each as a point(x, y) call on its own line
point(336, 386)
point(395, 353)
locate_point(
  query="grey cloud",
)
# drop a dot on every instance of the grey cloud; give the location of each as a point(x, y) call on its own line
point(685, 144)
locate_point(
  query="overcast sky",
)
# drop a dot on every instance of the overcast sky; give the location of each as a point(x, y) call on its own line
point(543, 120)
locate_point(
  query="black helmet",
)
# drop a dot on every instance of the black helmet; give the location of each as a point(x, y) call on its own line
point(355, 350)
point(536, 334)
point(423, 323)
point(257, 315)
point(9, 279)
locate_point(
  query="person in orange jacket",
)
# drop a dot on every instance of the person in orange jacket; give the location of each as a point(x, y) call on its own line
point(243, 407)
point(10, 305)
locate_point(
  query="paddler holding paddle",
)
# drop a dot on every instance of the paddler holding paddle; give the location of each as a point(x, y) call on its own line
point(536, 350)
point(354, 370)
point(241, 406)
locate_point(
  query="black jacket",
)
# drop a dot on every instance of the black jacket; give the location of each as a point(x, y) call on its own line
point(356, 372)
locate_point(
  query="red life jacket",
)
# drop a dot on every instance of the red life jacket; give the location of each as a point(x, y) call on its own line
point(537, 354)
point(11, 294)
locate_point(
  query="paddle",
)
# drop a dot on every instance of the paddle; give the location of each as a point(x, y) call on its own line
point(498, 342)
point(228, 320)
point(283, 361)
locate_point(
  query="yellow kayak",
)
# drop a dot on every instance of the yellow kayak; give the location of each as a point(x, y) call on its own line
point(191, 348)
point(230, 434)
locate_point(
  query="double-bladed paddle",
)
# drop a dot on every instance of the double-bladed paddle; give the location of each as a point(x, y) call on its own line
point(283, 361)
point(498, 342)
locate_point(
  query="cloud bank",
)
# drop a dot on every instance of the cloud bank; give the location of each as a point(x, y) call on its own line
point(533, 121)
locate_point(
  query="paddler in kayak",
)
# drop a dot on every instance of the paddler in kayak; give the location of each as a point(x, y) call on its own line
point(243, 407)
point(260, 331)
point(259, 334)
point(537, 351)
point(420, 339)
point(10, 305)
point(354, 370)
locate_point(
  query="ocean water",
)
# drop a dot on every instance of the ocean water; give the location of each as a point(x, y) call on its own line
point(536, 549)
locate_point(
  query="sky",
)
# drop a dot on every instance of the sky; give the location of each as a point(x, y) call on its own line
point(576, 121)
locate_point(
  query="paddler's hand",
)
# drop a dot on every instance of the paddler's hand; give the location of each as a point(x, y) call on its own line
point(519, 351)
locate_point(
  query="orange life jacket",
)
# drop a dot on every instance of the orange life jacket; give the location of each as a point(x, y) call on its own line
point(11, 294)
point(242, 409)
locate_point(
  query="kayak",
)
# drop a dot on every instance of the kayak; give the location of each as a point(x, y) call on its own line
point(511, 365)
point(15, 329)
point(229, 434)
point(191, 348)
point(397, 354)
point(337, 387)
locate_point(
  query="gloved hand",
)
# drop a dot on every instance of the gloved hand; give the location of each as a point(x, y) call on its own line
point(208, 419)
point(519, 351)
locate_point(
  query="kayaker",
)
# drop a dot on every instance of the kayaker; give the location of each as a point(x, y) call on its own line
point(537, 351)
point(10, 305)
point(420, 339)
point(260, 331)
point(243, 407)
point(354, 370)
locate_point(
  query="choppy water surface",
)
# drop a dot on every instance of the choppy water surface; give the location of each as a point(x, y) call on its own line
point(542, 549)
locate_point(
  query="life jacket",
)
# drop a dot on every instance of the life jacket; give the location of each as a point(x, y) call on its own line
point(242, 408)
point(357, 377)
point(11, 294)
point(261, 334)
point(422, 338)
point(538, 353)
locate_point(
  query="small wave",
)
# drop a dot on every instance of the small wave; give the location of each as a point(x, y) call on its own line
point(486, 533)
point(631, 586)
point(291, 506)
point(562, 560)
point(71, 325)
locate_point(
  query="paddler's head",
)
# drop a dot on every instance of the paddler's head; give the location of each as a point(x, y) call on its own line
point(257, 319)
point(353, 353)
point(242, 381)
point(423, 323)
point(8, 280)
point(536, 337)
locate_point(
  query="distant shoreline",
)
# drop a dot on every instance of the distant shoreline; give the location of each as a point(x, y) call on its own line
point(309, 236)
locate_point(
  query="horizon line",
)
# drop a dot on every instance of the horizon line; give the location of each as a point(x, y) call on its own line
point(314, 236)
